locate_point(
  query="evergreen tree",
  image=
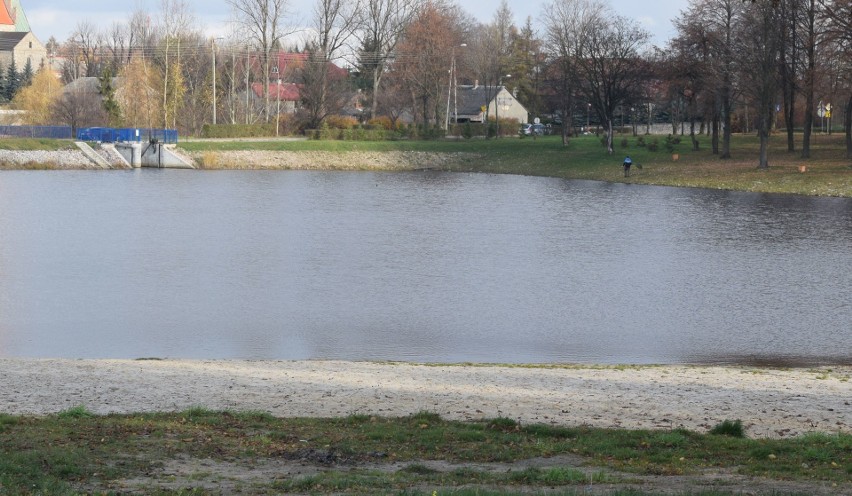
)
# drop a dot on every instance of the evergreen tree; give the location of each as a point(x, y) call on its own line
point(13, 81)
point(27, 75)
point(2, 84)
point(107, 92)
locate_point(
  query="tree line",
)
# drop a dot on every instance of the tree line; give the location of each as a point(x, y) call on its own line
point(733, 66)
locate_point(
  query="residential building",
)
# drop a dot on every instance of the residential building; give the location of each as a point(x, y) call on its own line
point(17, 42)
point(473, 101)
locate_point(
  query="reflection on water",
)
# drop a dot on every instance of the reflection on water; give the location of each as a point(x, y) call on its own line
point(419, 267)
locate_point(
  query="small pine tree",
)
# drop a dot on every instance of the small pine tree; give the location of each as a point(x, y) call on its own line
point(13, 81)
point(2, 84)
point(107, 91)
point(27, 75)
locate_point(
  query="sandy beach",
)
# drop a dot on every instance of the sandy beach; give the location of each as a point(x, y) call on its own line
point(771, 403)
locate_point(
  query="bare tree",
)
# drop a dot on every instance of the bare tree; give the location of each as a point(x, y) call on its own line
point(115, 43)
point(334, 24)
point(139, 33)
point(809, 18)
point(263, 23)
point(718, 19)
point(566, 22)
point(380, 28)
point(837, 14)
point(85, 44)
point(759, 37)
point(80, 107)
point(175, 25)
point(611, 65)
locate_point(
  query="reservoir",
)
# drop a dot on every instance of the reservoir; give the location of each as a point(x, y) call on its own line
point(423, 267)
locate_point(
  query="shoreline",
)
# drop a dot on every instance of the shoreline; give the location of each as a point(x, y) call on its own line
point(771, 403)
point(824, 180)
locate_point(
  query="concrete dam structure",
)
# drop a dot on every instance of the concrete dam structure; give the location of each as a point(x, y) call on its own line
point(152, 154)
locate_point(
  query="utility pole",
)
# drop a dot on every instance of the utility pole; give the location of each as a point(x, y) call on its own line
point(214, 81)
point(248, 88)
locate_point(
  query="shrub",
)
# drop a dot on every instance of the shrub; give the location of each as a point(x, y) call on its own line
point(381, 122)
point(238, 130)
point(729, 428)
point(624, 143)
point(340, 122)
point(467, 130)
point(640, 142)
point(78, 412)
point(654, 145)
point(671, 143)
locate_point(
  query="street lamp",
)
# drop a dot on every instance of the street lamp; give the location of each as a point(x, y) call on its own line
point(497, 102)
point(452, 88)
point(588, 116)
point(277, 73)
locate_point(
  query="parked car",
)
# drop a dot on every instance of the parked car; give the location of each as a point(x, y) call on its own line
point(530, 129)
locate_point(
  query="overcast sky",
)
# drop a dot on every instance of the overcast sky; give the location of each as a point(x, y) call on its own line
point(59, 17)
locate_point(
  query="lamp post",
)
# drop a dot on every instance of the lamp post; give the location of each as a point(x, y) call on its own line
point(452, 87)
point(497, 103)
point(278, 111)
point(277, 75)
point(588, 116)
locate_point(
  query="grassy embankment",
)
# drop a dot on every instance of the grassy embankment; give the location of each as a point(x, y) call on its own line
point(829, 172)
point(77, 452)
point(30, 144)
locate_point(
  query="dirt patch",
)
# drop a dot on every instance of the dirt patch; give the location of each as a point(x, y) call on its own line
point(261, 477)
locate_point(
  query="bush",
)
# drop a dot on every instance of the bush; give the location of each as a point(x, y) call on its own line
point(654, 145)
point(357, 134)
point(340, 122)
point(381, 122)
point(640, 142)
point(729, 428)
point(467, 130)
point(238, 130)
point(671, 143)
point(624, 143)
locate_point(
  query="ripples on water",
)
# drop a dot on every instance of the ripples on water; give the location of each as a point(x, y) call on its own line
point(421, 267)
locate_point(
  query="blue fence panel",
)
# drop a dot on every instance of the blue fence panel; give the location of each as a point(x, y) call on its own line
point(110, 135)
point(50, 132)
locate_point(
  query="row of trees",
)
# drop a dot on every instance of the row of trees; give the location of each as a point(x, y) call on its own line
point(780, 58)
point(12, 80)
point(734, 64)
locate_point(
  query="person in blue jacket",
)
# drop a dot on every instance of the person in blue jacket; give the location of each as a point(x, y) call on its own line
point(627, 163)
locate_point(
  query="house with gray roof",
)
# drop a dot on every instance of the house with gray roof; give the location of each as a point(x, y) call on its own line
point(474, 100)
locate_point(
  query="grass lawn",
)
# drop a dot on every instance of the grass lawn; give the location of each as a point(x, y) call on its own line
point(30, 144)
point(829, 172)
point(196, 450)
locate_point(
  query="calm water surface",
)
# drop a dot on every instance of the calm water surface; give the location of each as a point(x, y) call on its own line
point(417, 267)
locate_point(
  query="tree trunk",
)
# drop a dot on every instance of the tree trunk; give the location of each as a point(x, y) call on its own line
point(714, 140)
point(848, 125)
point(764, 130)
point(726, 122)
point(609, 136)
point(810, 78)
